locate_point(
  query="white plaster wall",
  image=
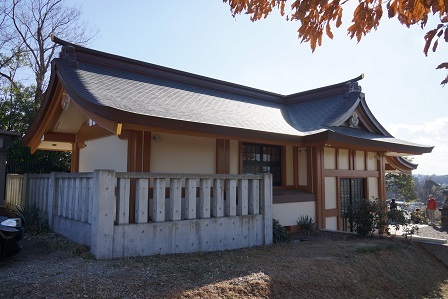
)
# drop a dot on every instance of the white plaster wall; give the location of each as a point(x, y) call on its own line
point(360, 165)
point(234, 157)
point(373, 187)
point(330, 193)
point(343, 157)
point(331, 223)
point(372, 162)
point(289, 166)
point(288, 213)
point(329, 158)
point(303, 167)
point(105, 153)
point(185, 154)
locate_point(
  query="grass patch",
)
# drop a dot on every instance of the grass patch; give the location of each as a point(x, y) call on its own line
point(374, 248)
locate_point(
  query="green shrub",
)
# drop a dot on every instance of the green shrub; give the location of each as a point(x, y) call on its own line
point(306, 224)
point(36, 221)
point(280, 235)
point(368, 216)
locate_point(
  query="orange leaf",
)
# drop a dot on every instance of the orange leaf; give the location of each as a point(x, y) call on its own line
point(328, 30)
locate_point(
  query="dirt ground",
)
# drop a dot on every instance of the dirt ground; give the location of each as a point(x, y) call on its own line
point(321, 266)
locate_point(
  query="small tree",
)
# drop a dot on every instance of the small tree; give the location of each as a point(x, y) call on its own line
point(401, 185)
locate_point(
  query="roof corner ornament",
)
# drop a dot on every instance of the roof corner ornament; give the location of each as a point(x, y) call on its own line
point(69, 53)
point(354, 120)
point(65, 101)
point(352, 87)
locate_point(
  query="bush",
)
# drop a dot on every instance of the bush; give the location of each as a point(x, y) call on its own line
point(368, 216)
point(306, 224)
point(280, 235)
point(419, 217)
point(36, 221)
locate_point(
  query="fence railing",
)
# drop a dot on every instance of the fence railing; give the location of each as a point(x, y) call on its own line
point(128, 214)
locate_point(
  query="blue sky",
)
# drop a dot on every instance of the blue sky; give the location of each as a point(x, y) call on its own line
point(402, 86)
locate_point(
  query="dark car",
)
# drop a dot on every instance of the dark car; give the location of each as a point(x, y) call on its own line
point(11, 231)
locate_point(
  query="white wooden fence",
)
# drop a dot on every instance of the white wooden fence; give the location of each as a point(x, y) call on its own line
point(130, 214)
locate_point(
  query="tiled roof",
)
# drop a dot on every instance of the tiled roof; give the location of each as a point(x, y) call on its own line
point(145, 95)
point(109, 82)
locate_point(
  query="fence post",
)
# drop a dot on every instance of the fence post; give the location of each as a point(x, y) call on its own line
point(52, 199)
point(103, 213)
point(266, 206)
point(25, 197)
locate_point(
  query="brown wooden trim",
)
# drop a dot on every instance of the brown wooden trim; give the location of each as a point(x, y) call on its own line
point(240, 154)
point(74, 161)
point(277, 199)
point(338, 202)
point(87, 132)
point(382, 177)
point(283, 166)
point(215, 132)
point(222, 156)
point(52, 114)
point(146, 151)
point(319, 184)
point(59, 137)
point(366, 160)
point(310, 169)
point(295, 167)
point(336, 155)
point(350, 173)
point(352, 159)
point(331, 212)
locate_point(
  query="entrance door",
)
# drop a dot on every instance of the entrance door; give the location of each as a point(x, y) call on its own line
point(352, 192)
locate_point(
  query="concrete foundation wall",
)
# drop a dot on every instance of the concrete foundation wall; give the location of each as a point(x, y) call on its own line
point(440, 251)
point(230, 211)
point(77, 231)
point(188, 236)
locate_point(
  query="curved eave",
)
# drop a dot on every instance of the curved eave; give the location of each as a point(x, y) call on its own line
point(330, 138)
point(48, 111)
point(372, 118)
point(399, 164)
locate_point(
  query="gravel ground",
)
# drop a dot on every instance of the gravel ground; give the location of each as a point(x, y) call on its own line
point(430, 231)
point(50, 266)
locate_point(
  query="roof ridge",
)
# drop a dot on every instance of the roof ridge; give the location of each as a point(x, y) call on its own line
point(72, 52)
point(147, 68)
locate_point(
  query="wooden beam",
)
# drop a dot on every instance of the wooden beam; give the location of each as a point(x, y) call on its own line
point(222, 156)
point(59, 137)
point(87, 132)
point(350, 173)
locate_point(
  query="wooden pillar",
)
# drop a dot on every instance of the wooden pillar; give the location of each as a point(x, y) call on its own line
point(74, 162)
point(382, 178)
point(139, 155)
point(295, 167)
point(222, 156)
point(319, 184)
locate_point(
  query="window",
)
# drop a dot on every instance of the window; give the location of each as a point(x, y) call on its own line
point(352, 191)
point(260, 158)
